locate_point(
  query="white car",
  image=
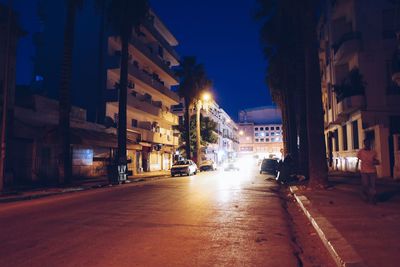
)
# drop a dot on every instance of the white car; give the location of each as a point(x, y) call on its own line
point(208, 165)
point(187, 167)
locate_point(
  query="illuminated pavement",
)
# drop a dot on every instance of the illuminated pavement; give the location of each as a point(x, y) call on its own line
point(212, 219)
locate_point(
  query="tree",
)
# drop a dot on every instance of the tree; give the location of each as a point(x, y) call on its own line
point(123, 17)
point(290, 44)
point(193, 80)
point(64, 163)
point(208, 129)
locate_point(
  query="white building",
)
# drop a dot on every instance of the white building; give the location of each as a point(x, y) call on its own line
point(227, 131)
point(149, 94)
point(360, 38)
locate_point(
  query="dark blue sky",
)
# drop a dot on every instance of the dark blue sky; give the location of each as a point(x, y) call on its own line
point(222, 36)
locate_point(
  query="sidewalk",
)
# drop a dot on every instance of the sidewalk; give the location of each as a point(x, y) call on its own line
point(77, 185)
point(354, 232)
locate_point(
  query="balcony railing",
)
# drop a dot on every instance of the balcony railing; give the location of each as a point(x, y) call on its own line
point(347, 44)
point(350, 104)
point(149, 26)
point(158, 138)
point(152, 56)
point(146, 78)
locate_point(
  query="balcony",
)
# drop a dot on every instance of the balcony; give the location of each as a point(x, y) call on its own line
point(348, 44)
point(350, 104)
point(158, 138)
point(150, 81)
point(150, 27)
point(153, 57)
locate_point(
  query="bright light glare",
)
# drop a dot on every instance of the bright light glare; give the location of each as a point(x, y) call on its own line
point(241, 133)
point(206, 97)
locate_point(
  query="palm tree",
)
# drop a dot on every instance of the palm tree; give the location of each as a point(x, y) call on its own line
point(64, 165)
point(318, 170)
point(124, 16)
point(193, 79)
point(290, 44)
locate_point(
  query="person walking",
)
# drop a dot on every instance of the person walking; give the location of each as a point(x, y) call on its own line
point(368, 171)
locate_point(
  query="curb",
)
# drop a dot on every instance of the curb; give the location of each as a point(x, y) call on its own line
point(77, 189)
point(341, 251)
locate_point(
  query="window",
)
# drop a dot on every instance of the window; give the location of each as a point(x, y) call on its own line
point(266, 134)
point(267, 128)
point(256, 129)
point(134, 123)
point(256, 134)
point(262, 134)
point(356, 142)
point(261, 128)
point(272, 128)
point(262, 140)
point(344, 137)
point(266, 139)
point(272, 134)
point(277, 128)
point(336, 137)
point(257, 140)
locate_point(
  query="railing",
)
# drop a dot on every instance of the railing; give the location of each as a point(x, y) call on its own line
point(149, 26)
point(158, 138)
point(345, 38)
point(152, 56)
point(139, 74)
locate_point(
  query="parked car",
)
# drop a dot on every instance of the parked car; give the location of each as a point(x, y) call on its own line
point(231, 166)
point(208, 165)
point(187, 167)
point(269, 166)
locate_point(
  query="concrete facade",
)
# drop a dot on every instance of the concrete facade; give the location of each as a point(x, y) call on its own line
point(149, 94)
point(260, 132)
point(360, 36)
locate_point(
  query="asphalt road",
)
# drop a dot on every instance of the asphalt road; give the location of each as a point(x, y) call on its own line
point(211, 219)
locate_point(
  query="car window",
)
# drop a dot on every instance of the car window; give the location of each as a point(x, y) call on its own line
point(181, 162)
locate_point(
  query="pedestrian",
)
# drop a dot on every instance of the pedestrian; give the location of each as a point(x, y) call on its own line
point(368, 171)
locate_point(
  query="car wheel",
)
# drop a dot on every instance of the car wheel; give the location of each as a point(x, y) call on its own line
point(172, 175)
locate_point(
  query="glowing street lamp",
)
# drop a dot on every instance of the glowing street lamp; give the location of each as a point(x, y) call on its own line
point(241, 132)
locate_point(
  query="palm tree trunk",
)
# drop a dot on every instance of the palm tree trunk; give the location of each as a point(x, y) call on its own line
point(198, 134)
point(315, 122)
point(100, 110)
point(64, 164)
point(122, 101)
point(187, 130)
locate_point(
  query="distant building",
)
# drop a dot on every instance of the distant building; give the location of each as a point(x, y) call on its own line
point(260, 115)
point(227, 131)
point(260, 132)
point(360, 38)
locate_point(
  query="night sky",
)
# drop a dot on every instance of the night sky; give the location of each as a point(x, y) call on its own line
point(222, 36)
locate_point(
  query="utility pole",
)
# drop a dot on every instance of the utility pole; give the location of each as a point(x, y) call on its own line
point(5, 97)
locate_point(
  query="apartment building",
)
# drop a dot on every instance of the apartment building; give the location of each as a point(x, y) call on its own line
point(361, 100)
point(150, 98)
point(227, 132)
point(260, 132)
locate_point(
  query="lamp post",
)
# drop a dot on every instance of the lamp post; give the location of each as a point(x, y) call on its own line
point(202, 103)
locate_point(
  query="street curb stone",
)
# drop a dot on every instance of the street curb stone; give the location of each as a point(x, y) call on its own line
point(77, 189)
point(341, 251)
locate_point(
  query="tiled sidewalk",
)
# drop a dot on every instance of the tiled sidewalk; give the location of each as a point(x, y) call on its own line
point(360, 234)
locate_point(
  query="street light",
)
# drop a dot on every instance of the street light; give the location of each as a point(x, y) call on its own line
point(202, 103)
point(241, 132)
